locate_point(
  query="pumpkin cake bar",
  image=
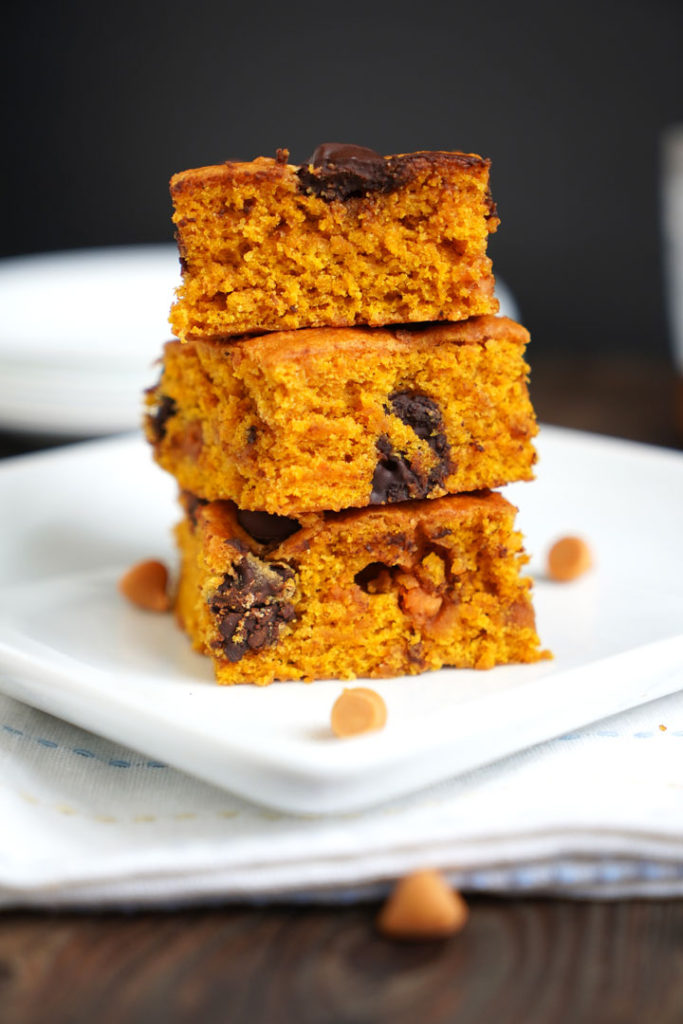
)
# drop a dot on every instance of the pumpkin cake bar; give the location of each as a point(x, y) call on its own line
point(374, 592)
point(350, 237)
point(333, 418)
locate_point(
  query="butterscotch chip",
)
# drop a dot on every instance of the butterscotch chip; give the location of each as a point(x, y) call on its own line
point(358, 710)
point(422, 906)
point(568, 559)
point(146, 585)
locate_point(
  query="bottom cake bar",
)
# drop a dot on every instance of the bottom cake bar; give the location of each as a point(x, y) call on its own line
point(379, 591)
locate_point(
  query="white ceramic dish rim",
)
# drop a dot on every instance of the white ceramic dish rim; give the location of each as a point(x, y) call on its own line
point(321, 775)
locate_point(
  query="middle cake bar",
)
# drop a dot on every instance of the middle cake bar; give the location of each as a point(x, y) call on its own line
point(327, 418)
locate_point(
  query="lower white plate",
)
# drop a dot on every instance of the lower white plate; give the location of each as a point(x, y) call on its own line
point(74, 519)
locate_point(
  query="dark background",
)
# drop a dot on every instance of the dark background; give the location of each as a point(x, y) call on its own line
point(103, 103)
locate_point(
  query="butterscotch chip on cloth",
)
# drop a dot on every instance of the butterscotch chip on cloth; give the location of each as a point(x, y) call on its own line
point(569, 558)
point(422, 906)
point(350, 237)
point(372, 592)
point(146, 585)
point(331, 418)
point(356, 711)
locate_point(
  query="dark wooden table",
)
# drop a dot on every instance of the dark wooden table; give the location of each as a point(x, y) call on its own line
point(528, 961)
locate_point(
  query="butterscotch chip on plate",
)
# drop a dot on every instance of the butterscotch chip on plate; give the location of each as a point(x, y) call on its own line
point(569, 558)
point(372, 592)
point(422, 906)
point(146, 585)
point(330, 418)
point(350, 237)
point(356, 711)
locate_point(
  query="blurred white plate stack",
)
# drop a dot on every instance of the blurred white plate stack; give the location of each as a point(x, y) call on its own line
point(80, 333)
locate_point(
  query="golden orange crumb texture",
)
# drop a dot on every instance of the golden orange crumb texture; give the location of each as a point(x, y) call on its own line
point(339, 407)
point(267, 247)
point(376, 592)
point(291, 422)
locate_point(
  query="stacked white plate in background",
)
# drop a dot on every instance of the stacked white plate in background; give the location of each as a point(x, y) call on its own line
point(80, 333)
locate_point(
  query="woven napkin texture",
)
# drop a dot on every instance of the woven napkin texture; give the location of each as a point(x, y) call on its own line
point(597, 812)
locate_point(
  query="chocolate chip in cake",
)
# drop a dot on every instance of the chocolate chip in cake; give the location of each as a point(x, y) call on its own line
point(266, 527)
point(394, 479)
point(422, 414)
point(191, 503)
point(165, 408)
point(342, 171)
point(251, 605)
point(345, 154)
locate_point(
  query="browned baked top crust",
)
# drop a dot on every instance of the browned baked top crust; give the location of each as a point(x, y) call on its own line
point(334, 182)
point(348, 238)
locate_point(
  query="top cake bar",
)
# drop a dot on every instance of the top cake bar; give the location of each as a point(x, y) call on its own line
point(349, 238)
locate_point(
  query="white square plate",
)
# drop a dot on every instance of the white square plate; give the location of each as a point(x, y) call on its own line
point(75, 518)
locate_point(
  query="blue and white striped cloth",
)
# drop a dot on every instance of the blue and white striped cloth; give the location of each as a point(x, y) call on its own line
point(598, 812)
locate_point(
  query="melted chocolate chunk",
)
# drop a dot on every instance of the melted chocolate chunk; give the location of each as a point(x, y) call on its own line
point(251, 605)
point(419, 412)
point(424, 416)
point(192, 502)
point(345, 154)
point(266, 527)
point(166, 407)
point(343, 171)
point(394, 478)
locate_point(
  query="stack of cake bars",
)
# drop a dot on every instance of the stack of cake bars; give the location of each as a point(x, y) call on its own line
point(338, 405)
